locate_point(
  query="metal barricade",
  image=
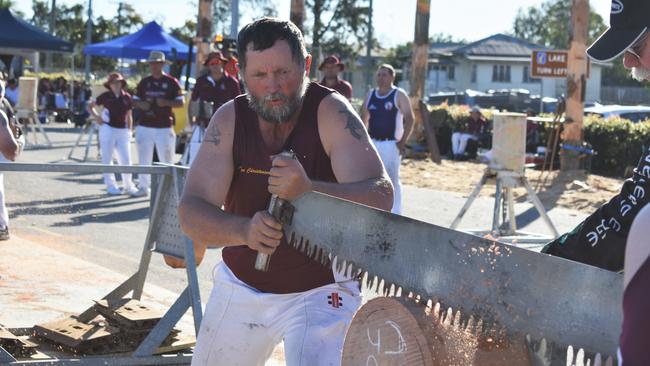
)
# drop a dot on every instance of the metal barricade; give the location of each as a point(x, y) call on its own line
point(164, 236)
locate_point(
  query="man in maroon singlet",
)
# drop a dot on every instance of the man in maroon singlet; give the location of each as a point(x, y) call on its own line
point(298, 301)
point(331, 67)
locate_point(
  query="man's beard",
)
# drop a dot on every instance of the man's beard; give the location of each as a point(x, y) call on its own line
point(282, 113)
point(640, 73)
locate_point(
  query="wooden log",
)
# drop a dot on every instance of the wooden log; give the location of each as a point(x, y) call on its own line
point(399, 331)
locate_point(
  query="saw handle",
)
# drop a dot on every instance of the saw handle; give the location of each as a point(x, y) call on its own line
point(262, 261)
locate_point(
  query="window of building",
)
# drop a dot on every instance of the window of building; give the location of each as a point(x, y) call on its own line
point(474, 67)
point(501, 73)
point(451, 73)
point(526, 76)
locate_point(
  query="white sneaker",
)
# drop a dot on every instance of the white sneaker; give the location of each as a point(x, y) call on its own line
point(131, 191)
point(141, 192)
point(114, 191)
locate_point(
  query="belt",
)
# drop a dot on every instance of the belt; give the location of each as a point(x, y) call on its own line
point(385, 139)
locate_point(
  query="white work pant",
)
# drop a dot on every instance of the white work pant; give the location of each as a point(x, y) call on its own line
point(195, 142)
point(164, 140)
point(116, 140)
point(459, 142)
point(390, 156)
point(4, 214)
point(242, 326)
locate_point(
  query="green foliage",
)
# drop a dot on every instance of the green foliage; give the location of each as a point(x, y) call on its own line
point(548, 25)
point(617, 141)
point(339, 27)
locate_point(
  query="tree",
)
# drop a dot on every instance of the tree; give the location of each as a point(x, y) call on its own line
point(11, 4)
point(337, 27)
point(548, 25)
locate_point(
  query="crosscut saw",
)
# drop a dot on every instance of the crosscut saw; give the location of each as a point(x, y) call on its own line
point(534, 295)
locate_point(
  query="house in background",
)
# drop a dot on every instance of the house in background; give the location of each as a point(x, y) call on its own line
point(496, 62)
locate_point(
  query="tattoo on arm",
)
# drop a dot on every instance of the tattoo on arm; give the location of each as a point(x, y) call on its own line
point(213, 135)
point(353, 124)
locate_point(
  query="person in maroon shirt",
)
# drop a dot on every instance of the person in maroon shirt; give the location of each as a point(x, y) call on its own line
point(297, 300)
point(216, 88)
point(331, 67)
point(155, 97)
point(115, 124)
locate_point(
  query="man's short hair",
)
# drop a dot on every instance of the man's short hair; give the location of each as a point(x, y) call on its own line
point(263, 33)
point(388, 67)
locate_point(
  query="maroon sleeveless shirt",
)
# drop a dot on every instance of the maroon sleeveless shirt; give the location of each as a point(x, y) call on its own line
point(289, 270)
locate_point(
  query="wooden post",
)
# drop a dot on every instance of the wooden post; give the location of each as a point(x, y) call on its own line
point(203, 33)
point(576, 84)
point(297, 14)
point(420, 57)
point(399, 331)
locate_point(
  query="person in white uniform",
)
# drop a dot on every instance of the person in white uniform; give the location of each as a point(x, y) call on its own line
point(115, 125)
point(155, 97)
point(11, 144)
point(388, 115)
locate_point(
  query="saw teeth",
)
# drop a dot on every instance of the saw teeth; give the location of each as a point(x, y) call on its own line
point(547, 353)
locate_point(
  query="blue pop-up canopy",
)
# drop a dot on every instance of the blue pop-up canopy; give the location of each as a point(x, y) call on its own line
point(138, 45)
point(16, 33)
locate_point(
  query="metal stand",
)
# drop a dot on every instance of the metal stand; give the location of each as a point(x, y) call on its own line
point(164, 236)
point(32, 120)
point(89, 130)
point(504, 206)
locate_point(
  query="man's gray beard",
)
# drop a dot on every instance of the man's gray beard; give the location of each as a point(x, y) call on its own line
point(278, 114)
point(640, 73)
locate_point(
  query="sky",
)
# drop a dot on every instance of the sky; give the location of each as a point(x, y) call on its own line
point(470, 20)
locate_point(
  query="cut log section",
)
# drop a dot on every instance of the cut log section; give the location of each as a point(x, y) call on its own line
point(399, 331)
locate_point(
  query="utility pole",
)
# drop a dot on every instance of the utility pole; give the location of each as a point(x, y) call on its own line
point(89, 30)
point(297, 14)
point(48, 55)
point(576, 84)
point(119, 18)
point(369, 65)
point(203, 33)
point(234, 19)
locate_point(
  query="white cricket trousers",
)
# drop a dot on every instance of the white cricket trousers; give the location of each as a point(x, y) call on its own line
point(390, 156)
point(242, 326)
point(164, 140)
point(195, 142)
point(459, 142)
point(4, 214)
point(116, 140)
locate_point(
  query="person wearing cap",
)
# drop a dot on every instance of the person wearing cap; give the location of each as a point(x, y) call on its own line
point(470, 129)
point(388, 116)
point(331, 67)
point(155, 97)
point(616, 235)
point(115, 125)
point(217, 87)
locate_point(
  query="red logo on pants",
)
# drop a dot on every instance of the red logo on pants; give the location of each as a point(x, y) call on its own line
point(335, 300)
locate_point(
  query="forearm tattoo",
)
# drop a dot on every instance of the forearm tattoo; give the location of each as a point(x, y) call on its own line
point(353, 124)
point(213, 135)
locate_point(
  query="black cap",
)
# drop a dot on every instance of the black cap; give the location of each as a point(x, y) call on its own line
point(628, 21)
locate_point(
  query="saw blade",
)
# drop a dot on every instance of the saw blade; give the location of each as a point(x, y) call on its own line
point(525, 292)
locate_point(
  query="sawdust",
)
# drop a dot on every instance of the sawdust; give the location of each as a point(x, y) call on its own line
point(572, 190)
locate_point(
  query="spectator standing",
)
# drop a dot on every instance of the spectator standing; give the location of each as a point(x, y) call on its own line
point(155, 97)
point(388, 115)
point(331, 67)
point(116, 123)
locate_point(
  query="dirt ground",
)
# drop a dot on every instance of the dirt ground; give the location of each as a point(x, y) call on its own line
point(572, 190)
